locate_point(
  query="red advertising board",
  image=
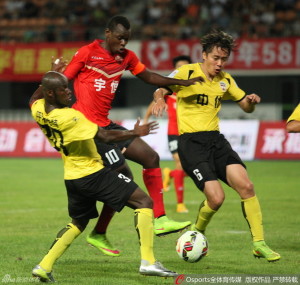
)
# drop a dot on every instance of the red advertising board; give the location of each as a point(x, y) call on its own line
point(281, 53)
point(24, 139)
point(273, 142)
point(28, 62)
point(251, 139)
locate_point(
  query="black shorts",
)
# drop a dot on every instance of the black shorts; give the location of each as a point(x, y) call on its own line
point(111, 153)
point(173, 143)
point(205, 155)
point(107, 186)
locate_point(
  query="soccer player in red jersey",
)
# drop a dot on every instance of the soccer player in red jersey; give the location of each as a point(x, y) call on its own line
point(177, 174)
point(96, 70)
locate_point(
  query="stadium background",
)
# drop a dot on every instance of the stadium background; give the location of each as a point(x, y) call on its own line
point(32, 200)
point(267, 62)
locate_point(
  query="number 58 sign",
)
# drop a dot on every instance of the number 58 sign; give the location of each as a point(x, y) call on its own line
point(250, 54)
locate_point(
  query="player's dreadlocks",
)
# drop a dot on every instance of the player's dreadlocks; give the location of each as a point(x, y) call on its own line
point(217, 38)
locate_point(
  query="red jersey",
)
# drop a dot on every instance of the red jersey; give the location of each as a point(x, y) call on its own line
point(97, 73)
point(172, 115)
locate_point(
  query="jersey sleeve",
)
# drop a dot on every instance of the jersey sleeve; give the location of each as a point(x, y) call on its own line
point(295, 116)
point(179, 73)
point(185, 72)
point(135, 66)
point(77, 63)
point(31, 104)
point(233, 93)
point(34, 107)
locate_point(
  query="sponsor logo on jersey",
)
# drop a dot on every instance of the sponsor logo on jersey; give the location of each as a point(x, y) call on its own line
point(223, 86)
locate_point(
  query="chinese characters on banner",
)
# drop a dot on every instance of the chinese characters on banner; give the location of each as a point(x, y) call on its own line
point(250, 54)
point(251, 139)
point(28, 62)
point(24, 139)
point(275, 143)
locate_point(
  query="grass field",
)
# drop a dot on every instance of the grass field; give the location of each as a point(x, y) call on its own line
point(34, 208)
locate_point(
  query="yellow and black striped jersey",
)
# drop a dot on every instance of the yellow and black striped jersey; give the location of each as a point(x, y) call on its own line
point(70, 133)
point(198, 105)
point(295, 116)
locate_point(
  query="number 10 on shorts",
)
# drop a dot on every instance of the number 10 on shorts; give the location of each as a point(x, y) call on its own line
point(112, 156)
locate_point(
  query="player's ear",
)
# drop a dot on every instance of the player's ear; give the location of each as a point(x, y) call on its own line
point(107, 33)
point(49, 93)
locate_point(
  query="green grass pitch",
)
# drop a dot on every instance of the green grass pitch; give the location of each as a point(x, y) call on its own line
point(34, 208)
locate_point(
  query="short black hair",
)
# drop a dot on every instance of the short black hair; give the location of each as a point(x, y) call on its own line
point(52, 80)
point(181, 57)
point(116, 20)
point(217, 38)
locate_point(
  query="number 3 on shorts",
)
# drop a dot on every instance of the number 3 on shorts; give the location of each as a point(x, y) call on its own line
point(122, 176)
point(198, 174)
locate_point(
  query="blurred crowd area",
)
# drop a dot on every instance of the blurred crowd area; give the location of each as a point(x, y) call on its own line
point(56, 20)
point(85, 20)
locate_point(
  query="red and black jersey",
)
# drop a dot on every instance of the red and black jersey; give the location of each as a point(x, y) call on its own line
point(97, 73)
point(172, 115)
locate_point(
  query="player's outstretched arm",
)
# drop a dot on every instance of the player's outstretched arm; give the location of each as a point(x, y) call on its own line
point(159, 80)
point(249, 102)
point(108, 136)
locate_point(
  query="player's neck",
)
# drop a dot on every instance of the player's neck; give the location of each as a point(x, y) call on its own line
point(49, 108)
point(207, 75)
point(106, 47)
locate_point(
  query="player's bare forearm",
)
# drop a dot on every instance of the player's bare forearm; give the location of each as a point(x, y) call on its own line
point(160, 93)
point(249, 102)
point(159, 80)
point(108, 136)
point(293, 126)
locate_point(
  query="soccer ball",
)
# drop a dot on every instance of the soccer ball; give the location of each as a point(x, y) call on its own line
point(192, 246)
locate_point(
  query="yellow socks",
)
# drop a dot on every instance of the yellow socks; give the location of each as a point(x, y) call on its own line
point(204, 216)
point(144, 226)
point(252, 213)
point(63, 239)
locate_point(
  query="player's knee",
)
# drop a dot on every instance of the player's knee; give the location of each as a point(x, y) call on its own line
point(151, 160)
point(147, 203)
point(216, 202)
point(143, 203)
point(249, 187)
point(139, 199)
point(246, 190)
